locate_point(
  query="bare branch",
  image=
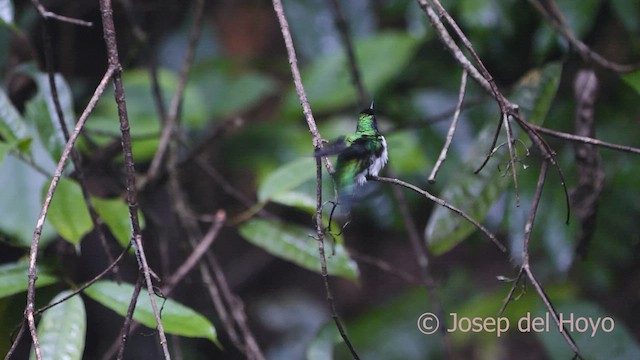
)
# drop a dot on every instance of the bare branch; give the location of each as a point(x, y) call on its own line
point(555, 18)
point(50, 15)
point(317, 144)
point(136, 236)
point(585, 140)
point(176, 101)
point(33, 253)
point(354, 69)
point(442, 202)
point(452, 129)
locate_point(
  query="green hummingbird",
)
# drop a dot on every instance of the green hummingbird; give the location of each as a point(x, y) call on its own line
point(360, 154)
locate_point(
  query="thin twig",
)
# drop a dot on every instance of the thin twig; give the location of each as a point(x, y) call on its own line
point(585, 140)
point(196, 255)
point(33, 253)
point(317, 144)
point(557, 21)
point(354, 69)
point(128, 320)
point(526, 268)
point(136, 236)
point(50, 15)
point(87, 284)
point(75, 156)
point(442, 202)
point(423, 259)
point(452, 129)
point(175, 107)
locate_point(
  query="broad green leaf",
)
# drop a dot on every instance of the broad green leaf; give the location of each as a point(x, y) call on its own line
point(4, 150)
point(21, 202)
point(144, 120)
point(297, 199)
point(13, 277)
point(115, 214)
point(287, 177)
point(62, 329)
point(633, 79)
point(229, 93)
point(328, 83)
point(41, 111)
point(322, 346)
point(68, 212)
point(610, 340)
point(475, 194)
point(177, 319)
point(13, 128)
point(295, 244)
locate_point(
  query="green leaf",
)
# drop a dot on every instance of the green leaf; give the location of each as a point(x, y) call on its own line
point(229, 92)
point(115, 214)
point(144, 121)
point(62, 329)
point(632, 79)
point(41, 111)
point(475, 194)
point(13, 129)
point(297, 199)
point(177, 319)
point(13, 277)
point(287, 177)
point(294, 243)
point(4, 150)
point(328, 83)
point(321, 348)
point(68, 212)
point(20, 202)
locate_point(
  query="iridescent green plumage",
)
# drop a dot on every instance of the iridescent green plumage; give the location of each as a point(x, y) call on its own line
point(360, 154)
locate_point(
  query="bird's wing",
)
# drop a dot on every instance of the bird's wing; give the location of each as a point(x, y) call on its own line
point(335, 147)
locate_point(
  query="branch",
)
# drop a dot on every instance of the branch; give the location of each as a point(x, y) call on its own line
point(354, 69)
point(317, 144)
point(136, 235)
point(176, 101)
point(33, 253)
point(452, 129)
point(50, 15)
point(526, 268)
point(442, 202)
point(75, 156)
point(558, 22)
point(585, 140)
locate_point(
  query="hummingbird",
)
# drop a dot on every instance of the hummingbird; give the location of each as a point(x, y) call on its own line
point(360, 154)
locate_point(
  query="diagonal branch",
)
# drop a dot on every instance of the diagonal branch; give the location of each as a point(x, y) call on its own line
point(452, 129)
point(33, 253)
point(442, 202)
point(50, 15)
point(132, 193)
point(317, 144)
point(173, 114)
point(557, 21)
